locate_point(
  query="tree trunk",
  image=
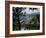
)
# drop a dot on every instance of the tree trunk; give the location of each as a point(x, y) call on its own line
point(19, 23)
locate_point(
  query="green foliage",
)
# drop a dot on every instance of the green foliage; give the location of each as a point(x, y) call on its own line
point(15, 26)
point(32, 25)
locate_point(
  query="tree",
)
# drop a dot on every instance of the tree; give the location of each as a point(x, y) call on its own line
point(17, 13)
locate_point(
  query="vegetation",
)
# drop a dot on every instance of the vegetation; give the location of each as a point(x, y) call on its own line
point(33, 23)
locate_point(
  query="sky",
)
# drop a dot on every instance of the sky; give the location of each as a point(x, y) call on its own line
point(30, 11)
